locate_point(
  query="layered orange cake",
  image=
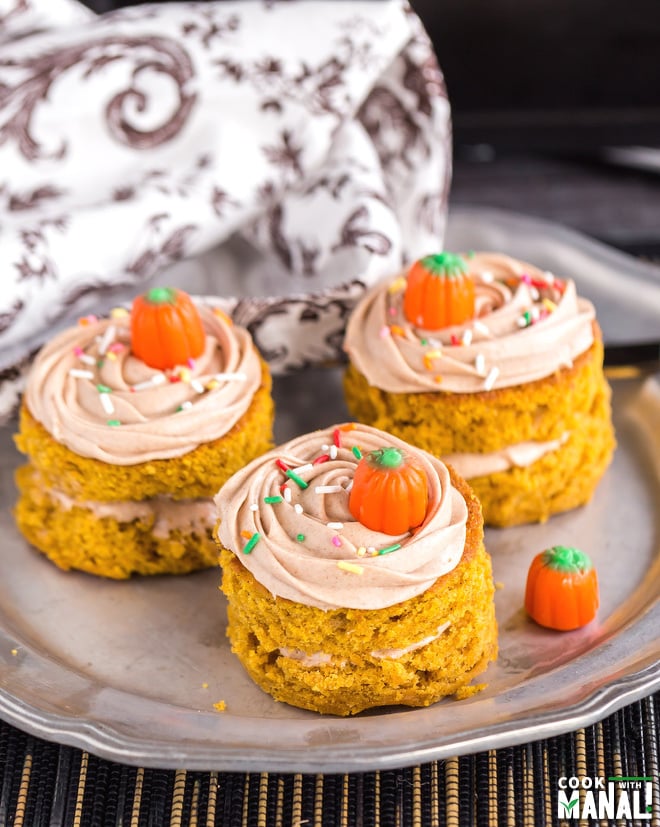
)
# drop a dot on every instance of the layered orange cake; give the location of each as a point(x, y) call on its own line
point(124, 456)
point(513, 395)
point(355, 573)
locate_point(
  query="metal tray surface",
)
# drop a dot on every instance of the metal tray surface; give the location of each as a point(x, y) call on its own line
point(131, 670)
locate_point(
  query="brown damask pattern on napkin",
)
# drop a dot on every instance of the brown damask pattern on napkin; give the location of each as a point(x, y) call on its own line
point(316, 132)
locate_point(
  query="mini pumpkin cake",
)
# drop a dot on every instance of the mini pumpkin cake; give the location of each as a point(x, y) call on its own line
point(355, 573)
point(494, 366)
point(131, 424)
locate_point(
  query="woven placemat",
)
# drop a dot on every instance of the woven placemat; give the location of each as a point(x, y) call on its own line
point(47, 785)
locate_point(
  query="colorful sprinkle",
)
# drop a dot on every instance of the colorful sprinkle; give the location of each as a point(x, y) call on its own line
point(251, 543)
point(389, 549)
point(114, 423)
point(81, 374)
point(300, 538)
point(336, 438)
point(185, 406)
point(212, 384)
point(322, 458)
point(361, 551)
point(549, 305)
point(336, 541)
point(430, 356)
point(106, 402)
point(107, 339)
point(466, 339)
point(153, 382)
point(356, 452)
point(274, 499)
point(384, 332)
point(87, 320)
point(397, 285)
point(352, 567)
point(222, 315)
point(281, 465)
point(397, 330)
point(490, 380)
point(118, 313)
point(298, 480)
point(247, 534)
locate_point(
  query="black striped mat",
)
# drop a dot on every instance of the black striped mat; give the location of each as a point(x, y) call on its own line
point(49, 785)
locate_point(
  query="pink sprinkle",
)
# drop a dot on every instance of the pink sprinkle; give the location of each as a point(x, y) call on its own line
point(78, 351)
point(384, 332)
point(392, 311)
point(116, 347)
point(525, 278)
point(336, 541)
point(191, 363)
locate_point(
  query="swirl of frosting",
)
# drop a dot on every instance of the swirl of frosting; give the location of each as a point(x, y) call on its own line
point(93, 395)
point(527, 325)
point(311, 550)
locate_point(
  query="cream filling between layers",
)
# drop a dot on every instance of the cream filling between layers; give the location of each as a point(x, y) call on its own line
point(323, 658)
point(165, 514)
point(95, 397)
point(527, 325)
point(521, 455)
point(311, 550)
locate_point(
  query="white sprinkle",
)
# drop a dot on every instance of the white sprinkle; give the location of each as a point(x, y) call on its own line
point(108, 407)
point(185, 406)
point(302, 469)
point(549, 277)
point(254, 507)
point(231, 377)
point(87, 359)
point(487, 276)
point(328, 489)
point(325, 447)
point(480, 363)
point(349, 486)
point(287, 494)
point(333, 452)
point(108, 338)
point(154, 381)
point(197, 386)
point(371, 549)
point(81, 374)
point(335, 526)
point(534, 293)
point(467, 337)
point(298, 508)
point(435, 343)
point(493, 373)
point(480, 327)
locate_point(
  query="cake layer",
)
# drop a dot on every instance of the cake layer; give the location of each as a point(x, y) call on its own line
point(341, 661)
point(137, 539)
point(199, 473)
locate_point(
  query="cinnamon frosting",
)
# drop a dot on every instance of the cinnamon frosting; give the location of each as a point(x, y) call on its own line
point(305, 545)
point(528, 324)
point(93, 395)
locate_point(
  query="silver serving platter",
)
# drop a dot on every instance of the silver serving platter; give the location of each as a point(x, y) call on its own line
point(131, 670)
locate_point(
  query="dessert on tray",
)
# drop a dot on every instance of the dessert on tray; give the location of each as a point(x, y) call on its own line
point(355, 573)
point(496, 367)
point(131, 424)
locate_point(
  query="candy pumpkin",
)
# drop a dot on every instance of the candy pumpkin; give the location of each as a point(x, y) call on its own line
point(439, 292)
point(166, 329)
point(390, 492)
point(562, 589)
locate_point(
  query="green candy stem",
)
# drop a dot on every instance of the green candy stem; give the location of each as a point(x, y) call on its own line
point(386, 457)
point(161, 295)
point(566, 559)
point(445, 264)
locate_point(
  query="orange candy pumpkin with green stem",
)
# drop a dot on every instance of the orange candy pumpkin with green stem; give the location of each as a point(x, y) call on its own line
point(166, 328)
point(562, 589)
point(439, 292)
point(390, 492)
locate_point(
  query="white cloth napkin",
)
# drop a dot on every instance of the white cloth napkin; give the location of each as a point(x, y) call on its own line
point(311, 136)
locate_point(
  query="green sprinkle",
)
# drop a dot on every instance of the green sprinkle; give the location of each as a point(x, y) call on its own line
point(298, 480)
point(114, 422)
point(357, 452)
point(251, 543)
point(389, 549)
point(100, 363)
point(300, 537)
point(103, 389)
point(275, 499)
point(423, 341)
